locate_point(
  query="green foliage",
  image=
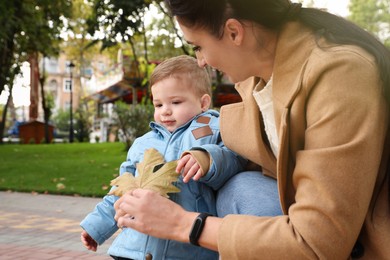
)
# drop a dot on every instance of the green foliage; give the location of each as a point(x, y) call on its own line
point(43, 24)
point(123, 22)
point(365, 14)
point(83, 125)
point(29, 27)
point(46, 168)
point(162, 36)
point(117, 18)
point(61, 120)
point(372, 15)
point(132, 120)
point(49, 103)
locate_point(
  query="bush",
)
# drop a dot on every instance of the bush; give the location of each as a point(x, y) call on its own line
point(132, 121)
point(81, 124)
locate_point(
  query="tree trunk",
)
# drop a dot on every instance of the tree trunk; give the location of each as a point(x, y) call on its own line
point(45, 106)
point(34, 84)
point(137, 74)
point(4, 117)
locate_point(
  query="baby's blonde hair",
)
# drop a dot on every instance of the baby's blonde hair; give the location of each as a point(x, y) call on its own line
point(184, 68)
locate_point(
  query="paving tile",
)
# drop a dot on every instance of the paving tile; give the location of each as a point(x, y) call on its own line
point(45, 227)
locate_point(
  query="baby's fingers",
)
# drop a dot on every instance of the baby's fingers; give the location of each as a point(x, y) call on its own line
point(192, 172)
point(187, 177)
point(198, 175)
point(182, 162)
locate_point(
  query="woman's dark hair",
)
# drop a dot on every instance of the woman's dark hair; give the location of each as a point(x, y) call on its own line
point(273, 14)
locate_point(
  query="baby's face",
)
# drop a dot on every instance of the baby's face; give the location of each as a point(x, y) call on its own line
point(175, 103)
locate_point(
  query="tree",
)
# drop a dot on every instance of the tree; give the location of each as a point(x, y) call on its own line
point(372, 15)
point(30, 28)
point(171, 27)
point(123, 21)
point(133, 121)
point(10, 61)
point(10, 11)
point(83, 124)
point(44, 40)
point(117, 20)
point(120, 21)
point(61, 121)
point(79, 49)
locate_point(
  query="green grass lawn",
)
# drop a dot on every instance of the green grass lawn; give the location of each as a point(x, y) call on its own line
point(73, 169)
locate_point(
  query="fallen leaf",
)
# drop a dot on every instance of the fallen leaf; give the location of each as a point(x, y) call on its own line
point(159, 181)
point(60, 186)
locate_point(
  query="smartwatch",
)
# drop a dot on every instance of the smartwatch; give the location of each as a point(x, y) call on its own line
point(197, 228)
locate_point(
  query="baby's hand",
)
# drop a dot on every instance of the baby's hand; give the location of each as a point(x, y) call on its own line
point(189, 168)
point(88, 241)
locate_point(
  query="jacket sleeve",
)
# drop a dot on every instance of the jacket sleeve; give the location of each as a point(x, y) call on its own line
point(129, 165)
point(100, 223)
point(223, 163)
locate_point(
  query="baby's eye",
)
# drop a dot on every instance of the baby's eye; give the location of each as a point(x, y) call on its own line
point(176, 102)
point(157, 105)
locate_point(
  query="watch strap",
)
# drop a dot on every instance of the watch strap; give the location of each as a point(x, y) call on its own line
point(197, 228)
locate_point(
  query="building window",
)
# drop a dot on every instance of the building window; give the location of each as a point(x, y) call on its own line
point(67, 85)
point(51, 65)
point(53, 85)
point(66, 105)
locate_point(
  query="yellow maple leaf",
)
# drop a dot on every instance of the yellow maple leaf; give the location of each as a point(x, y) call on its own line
point(153, 174)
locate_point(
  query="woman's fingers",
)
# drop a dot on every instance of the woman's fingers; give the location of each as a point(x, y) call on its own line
point(148, 212)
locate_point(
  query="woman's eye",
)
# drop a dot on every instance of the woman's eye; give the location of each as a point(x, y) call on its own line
point(196, 48)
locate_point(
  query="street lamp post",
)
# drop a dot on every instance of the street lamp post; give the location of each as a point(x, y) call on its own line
point(71, 67)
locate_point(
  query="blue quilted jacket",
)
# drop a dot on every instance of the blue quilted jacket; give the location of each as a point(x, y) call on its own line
point(200, 133)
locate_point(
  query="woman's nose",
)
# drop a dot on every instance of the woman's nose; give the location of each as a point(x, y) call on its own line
point(201, 61)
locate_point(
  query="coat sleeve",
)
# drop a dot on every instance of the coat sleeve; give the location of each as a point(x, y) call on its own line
point(223, 164)
point(130, 164)
point(334, 154)
point(100, 223)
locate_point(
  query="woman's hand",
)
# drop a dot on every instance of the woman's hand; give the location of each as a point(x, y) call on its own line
point(150, 213)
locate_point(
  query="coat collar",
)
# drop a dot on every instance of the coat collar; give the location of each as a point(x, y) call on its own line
point(293, 48)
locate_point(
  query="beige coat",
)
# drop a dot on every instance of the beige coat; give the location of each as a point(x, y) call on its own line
point(332, 121)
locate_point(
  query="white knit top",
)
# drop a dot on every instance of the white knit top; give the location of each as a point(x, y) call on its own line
point(263, 99)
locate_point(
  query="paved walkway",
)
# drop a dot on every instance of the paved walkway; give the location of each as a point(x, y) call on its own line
point(45, 227)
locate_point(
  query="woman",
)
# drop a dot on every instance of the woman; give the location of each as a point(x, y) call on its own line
point(315, 115)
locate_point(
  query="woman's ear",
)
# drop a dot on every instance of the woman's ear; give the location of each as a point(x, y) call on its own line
point(205, 101)
point(234, 30)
